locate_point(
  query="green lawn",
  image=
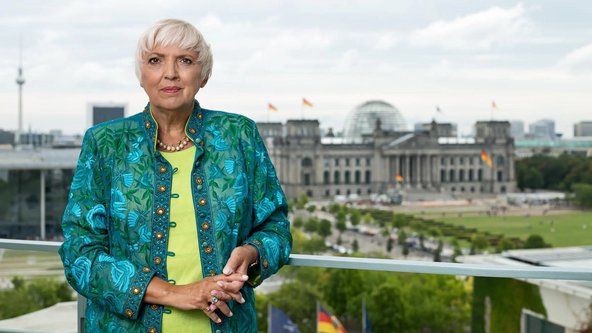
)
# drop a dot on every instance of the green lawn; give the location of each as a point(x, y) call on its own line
point(574, 229)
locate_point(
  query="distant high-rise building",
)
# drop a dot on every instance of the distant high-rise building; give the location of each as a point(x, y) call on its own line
point(517, 129)
point(583, 128)
point(544, 128)
point(100, 113)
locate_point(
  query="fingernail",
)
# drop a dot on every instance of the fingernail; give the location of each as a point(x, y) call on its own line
point(230, 314)
point(219, 320)
point(245, 277)
point(220, 284)
point(226, 271)
point(242, 299)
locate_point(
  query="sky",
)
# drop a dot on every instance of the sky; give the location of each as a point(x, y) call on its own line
point(533, 58)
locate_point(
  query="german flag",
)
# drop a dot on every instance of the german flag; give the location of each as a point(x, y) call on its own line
point(327, 323)
point(271, 107)
point(485, 158)
point(306, 102)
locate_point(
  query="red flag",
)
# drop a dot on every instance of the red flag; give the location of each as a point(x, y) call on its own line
point(327, 323)
point(271, 107)
point(485, 158)
point(493, 105)
point(306, 102)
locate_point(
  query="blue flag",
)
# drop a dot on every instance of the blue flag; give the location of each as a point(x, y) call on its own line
point(280, 323)
point(367, 327)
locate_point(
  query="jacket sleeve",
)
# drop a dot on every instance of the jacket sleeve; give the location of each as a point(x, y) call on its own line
point(117, 285)
point(271, 227)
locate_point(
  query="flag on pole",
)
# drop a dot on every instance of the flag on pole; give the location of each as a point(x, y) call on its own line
point(306, 102)
point(486, 158)
point(366, 327)
point(279, 322)
point(399, 178)
point(327, 323)
point(493, 105)
point(271, 107)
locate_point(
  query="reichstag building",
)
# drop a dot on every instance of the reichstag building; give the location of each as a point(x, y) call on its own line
point(377, 154)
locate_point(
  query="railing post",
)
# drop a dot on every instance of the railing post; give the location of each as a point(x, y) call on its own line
point(81, 311)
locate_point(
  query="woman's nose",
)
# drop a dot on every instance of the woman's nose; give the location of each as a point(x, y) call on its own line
point(171, 72)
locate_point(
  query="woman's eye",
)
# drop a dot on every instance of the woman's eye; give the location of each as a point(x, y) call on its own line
point(153, 60)
point(186, 61)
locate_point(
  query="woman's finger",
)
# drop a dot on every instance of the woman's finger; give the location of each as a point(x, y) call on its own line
point(221, 295)
point(237, 296)
point(222, 306)
point(233, 287)
point(211, 313)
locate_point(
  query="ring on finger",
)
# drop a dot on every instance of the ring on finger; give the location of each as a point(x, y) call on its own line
point(214, 300)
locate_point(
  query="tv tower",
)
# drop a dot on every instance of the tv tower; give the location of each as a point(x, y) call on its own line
point(20, 80)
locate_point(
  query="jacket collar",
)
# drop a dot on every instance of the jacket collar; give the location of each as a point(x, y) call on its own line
point(193, 127)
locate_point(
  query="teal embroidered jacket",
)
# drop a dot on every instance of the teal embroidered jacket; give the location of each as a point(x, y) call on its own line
point(116, 221)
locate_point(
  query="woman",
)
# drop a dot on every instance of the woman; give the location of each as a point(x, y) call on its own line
point(175, 214)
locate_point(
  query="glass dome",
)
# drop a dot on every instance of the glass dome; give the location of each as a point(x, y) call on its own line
point(362, 119)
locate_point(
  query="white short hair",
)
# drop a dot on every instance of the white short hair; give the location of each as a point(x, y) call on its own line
point(177, 33)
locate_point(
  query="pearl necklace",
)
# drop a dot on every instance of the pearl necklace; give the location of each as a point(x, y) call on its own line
point(178, 147)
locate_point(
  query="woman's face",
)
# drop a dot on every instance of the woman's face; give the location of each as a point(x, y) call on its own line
point(171, 77)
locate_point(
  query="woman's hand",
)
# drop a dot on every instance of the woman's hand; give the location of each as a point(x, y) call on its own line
point(240, 259)
point(197, 295)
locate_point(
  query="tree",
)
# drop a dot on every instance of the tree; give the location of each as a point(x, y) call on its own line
point(478, 243)
point(313, 245)
point(355, 217)
point(340, 225)
point(341, 215)
point(367, 218)
point(529, 177)
point(504, 244)
point(298, 222)
point(387, 311)
point(340, 287)
point(28, 296)
point(389, 244)
point(421, 241)
point(403, 242)
point(583, 195)
point(355, 245)
point(311, 225)
point(324, 228)
point(399, 220)
point(334, 208)
point(438, 252)
point(302, 200)
point(535, 242)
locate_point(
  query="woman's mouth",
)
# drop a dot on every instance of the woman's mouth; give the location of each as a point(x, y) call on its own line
point(170, 90)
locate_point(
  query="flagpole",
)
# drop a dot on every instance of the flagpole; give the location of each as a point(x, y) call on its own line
point(364, 314)
point(269, 317)
point(317, 317)
point(302, 110)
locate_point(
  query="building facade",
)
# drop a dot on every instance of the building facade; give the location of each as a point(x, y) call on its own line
point(387, 161)
point(583, 128)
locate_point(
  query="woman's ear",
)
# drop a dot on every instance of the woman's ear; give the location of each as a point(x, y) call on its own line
point(203, 83)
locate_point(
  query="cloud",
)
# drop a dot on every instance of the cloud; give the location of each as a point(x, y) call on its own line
point(578, 59)
point(480, 30)
point(387, 41)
